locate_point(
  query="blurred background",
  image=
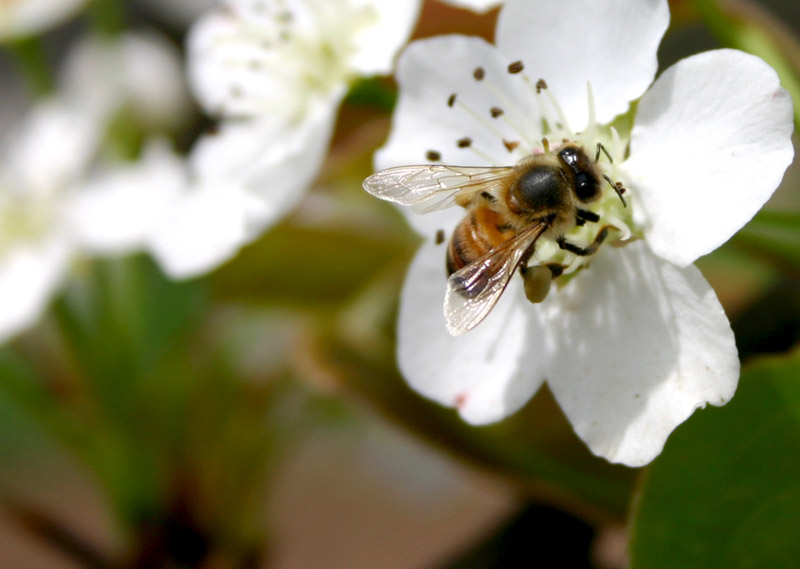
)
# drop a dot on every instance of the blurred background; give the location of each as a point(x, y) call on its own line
point(254, 417)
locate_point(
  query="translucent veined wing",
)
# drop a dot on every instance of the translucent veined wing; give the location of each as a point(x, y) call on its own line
point(432, 186)
point(472, 291)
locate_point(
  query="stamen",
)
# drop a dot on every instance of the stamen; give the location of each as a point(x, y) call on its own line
point(495, 112)
point(451, 100)
point(465, 142)
point(591, 128)
point(479, 73)
point(511, 146)
point(433, 155)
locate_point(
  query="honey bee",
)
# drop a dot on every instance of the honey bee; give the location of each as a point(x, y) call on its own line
point(509, 209)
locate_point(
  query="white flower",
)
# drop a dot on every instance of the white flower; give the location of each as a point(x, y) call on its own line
point(139, 73)
point(21, 18)
point(633, 339)
point(275, 73)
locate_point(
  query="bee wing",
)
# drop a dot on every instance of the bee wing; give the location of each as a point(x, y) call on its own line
point(472, 291)
point(434, 186)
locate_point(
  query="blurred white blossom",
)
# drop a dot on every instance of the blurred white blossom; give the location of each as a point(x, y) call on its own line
point(274, 73)
point(139, 73)
point(22, 18)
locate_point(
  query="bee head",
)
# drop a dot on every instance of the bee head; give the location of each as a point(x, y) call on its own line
point(585, 179)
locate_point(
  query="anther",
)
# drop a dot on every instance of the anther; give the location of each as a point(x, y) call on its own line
point(541, 85)
point(433, 155)
point(451, 100)
point(439, 236)
point(515, 67)
point(465, 142)
point(479, 74)
point(511, 145)
point(495, 112)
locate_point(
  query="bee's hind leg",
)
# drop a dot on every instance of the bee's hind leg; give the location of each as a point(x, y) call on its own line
point(590, 249)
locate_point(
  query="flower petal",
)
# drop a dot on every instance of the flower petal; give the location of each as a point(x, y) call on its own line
point(711, 142)
point(206, 227)
point(611, 44)
point(638, 344)
point(116, 211)
point(386, 26)
point(30, 273)
point(488, 373)
point(20, 18)
point(479, 6)
point(274, 164)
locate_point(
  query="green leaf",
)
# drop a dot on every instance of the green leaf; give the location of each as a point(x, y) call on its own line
point(726, 490)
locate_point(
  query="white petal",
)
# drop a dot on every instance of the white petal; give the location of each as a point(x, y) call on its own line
point(639, 344)
point(611, 44)
point(386, 26)
point(432, 70)
point(52, 149)
point(20, 18)
point(275, 164)
point(487, 373)
point(29, 275)
point(710, 145)
point(479, 6)
point(117, 211)
point(206, 227)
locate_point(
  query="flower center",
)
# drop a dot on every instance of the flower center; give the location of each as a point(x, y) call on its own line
point(288, 53)
point(23, 217)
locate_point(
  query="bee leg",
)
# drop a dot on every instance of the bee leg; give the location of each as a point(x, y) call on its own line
point(582, 216)
point(590, 249)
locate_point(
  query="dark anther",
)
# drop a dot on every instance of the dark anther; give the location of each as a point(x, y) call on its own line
point(439, 236)
point(510, 145)
point(451, 100)
point(541, 84)
point(479, 74)
point(464, 142)
point(495, 112)
point(515, 67)
point(433, 155)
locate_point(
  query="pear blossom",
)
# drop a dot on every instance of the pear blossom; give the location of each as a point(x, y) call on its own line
point(138, 73)
point(631, 339)
point(274, 73)
point(22, 18)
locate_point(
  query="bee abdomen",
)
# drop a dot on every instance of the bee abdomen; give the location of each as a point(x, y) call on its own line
point(479, 232)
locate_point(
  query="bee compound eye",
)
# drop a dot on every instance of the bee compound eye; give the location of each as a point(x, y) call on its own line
point(586, 187)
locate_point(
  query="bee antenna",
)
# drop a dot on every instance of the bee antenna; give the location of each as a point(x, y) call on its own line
point(617, 186)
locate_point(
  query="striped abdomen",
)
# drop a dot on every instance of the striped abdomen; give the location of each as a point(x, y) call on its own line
point(478, 233)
